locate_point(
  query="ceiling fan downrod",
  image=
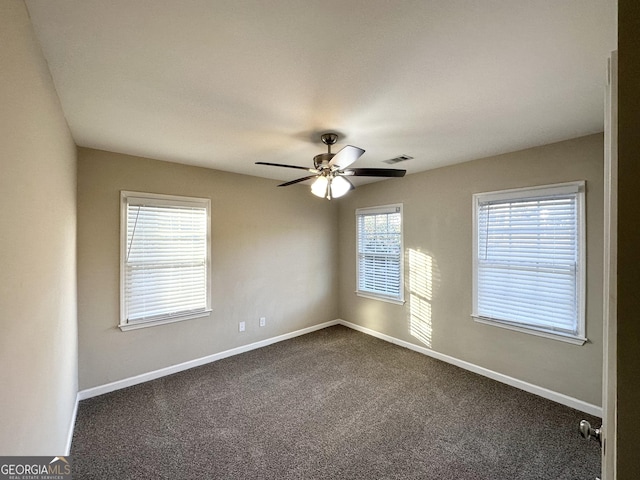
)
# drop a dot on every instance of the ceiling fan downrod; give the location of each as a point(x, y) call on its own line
point(324, 158)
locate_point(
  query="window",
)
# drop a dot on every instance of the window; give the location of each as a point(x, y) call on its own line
point(164, 250)
point(529, 260)
point(379, 244)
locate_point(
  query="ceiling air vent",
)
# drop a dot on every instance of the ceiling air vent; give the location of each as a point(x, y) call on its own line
point(401, 158)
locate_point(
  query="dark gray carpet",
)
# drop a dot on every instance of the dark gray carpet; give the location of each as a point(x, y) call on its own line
point(333, 404)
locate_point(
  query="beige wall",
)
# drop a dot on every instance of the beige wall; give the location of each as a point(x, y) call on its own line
point(628, 240)
point(438, 246)
point(273, 255)
point(38, 342)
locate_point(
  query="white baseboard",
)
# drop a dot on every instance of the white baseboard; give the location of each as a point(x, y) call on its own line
point(145, 377)
point(72, 425)
point(514, 382)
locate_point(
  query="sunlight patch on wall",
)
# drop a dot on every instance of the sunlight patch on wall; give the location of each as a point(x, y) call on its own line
point(420, 295)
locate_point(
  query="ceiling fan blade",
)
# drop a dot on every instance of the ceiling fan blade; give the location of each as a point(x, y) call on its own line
point(346, 156)
point(375, 172)
point(350, 183)
point(312, 170)
point(293, 182)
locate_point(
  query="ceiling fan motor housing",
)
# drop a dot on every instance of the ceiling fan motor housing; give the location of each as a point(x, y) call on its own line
point(322, 158)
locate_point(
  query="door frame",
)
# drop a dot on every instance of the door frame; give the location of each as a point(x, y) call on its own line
point(610, 327)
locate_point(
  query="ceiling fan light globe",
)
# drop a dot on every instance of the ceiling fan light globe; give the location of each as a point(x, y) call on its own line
point(339, 187)
point(319, 187)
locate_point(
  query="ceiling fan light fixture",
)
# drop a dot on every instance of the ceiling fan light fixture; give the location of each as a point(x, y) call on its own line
point(319, 187)
point(339, 187)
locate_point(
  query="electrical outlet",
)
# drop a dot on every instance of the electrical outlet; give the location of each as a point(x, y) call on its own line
point(241, 326)
point(263, 321)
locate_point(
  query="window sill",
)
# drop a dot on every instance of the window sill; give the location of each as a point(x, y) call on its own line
point(563, 337)
point(152, 323)
point(373, 296)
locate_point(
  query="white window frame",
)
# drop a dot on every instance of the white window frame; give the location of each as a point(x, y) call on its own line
point(154, 199)
point(563, 189)
point(383, 209)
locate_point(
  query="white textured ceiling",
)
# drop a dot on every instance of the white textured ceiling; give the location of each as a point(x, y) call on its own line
point(223, 84)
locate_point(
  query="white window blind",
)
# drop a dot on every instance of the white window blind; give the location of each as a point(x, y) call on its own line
point(165, 258)
point(379, 244)
point(528, 258)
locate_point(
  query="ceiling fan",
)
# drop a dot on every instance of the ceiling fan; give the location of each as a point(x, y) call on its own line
point(331, 172)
